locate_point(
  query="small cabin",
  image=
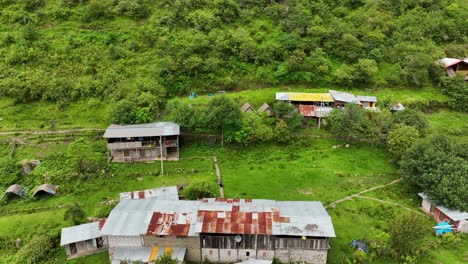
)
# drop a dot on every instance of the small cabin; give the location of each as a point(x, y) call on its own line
point(342, 98)
point(367, 102)
point(83, 240)
point(143, 142)
point(457, 219)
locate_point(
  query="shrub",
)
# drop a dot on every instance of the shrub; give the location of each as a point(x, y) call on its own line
point(200, 190)
point(38, 249)
point(9, 171)
point(450, 240)
point(124, 112)
point(74, 214)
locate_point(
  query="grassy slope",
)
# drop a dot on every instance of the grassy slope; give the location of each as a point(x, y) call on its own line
point(309, 170)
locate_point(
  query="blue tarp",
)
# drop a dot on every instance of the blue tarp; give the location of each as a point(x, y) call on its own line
point(359, 245)
point(443, 227)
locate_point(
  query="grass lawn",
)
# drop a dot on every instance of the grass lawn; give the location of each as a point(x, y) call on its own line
point(310, 169)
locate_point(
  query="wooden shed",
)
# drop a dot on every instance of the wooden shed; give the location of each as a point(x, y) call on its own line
point(455, 66)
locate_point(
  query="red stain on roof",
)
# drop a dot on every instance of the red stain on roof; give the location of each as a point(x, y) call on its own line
point(307, 110)
point(176, 224)
point(102, 221)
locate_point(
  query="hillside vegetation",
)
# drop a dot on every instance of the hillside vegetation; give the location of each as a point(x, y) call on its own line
point(64, 50)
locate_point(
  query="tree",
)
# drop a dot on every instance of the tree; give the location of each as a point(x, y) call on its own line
point(288, 113)
point(401, 138)
point(143, 115)
point(82, 158)
point(439, 166)
point(282, 133)
point(184, 115)
point(74, 214)
point(200, 190)
point(412, 117)
point(223, 114)
point(347, 122)
point(124, 112)
point(378, 125)
point(364, 70)
point(406, 235)
point(255, 128)
point(456, 90)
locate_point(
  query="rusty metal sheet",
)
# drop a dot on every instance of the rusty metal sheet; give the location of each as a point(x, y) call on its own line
point(307, 110)
point(175, 224)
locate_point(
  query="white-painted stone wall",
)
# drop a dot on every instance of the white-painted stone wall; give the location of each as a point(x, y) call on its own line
point(192, 244)
point(300, 255)
point(288, 256)
point(125, 241)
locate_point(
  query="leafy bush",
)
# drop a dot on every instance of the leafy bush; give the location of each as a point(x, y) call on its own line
point(407, 233)
point(124, 112)
point(401, 138)
point(38, 249)
point(9, 171)
point(450, 240)
point(200, 190)
point(74, 214)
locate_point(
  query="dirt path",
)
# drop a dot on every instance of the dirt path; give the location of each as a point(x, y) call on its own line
point(359, 193)
point(396, 204)
point(51, 131)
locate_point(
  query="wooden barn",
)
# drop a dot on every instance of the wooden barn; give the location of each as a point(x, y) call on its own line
point(457, 219)
point(143, 142)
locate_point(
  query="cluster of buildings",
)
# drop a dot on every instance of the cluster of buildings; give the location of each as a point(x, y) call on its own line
point(318, 105)
point(147, 224)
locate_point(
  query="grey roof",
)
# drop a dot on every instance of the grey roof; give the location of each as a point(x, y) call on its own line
point(143, 254)
point(142, 130)
point(79, 233)
point(455, 215)
point(163, 193)
point(363, 98)
point(15, 189)
point(305, 218)
point(447, 62)
point(344, 97)
point(282, 96)
point(48, 188)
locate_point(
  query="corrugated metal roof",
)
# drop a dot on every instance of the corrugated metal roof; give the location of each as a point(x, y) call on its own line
point(79, 233)
point(365, 98)
point(15, 189)
point(264, 107)
point(447, 62)
point(48, 188)
point(455, 215)
point(218, 215)
point(142, 130)
point(146, 254)
point(163, 193)
point(344, 97)
point(310, 97)
point(282, 96)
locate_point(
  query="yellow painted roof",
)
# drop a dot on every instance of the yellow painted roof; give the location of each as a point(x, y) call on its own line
point(311, 97)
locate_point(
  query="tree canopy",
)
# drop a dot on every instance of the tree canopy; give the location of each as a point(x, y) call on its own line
point(114, 49)
point(439, 166)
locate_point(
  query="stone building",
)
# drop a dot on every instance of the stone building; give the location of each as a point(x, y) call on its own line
point(219, 230)
point(143, 142)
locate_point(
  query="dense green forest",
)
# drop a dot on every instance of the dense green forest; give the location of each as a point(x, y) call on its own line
point(65, 50)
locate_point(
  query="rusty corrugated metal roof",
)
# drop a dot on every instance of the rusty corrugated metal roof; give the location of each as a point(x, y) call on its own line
point(175, 224)
point(218, 215)
point(163, 193)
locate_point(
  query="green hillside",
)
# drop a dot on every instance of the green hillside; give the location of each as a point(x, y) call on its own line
point(64, 50)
